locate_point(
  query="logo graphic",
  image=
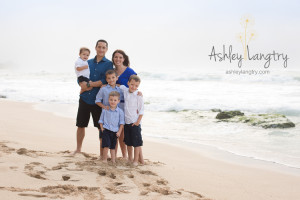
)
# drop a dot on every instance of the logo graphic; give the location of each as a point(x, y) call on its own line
point(245, 38)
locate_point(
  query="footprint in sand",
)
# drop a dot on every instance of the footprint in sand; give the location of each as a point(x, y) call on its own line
point(13, 168)
point(102, 172)
point(112, 175)
point(36, 170)
point(32, 195)
point(31, 153)
point(162, 182)
point(147, 172)
point(5, 149)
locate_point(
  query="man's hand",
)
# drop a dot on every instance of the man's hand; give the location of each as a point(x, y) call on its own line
point(84, 87)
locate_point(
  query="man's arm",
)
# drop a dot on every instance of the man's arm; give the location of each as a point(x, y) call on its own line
point(102, 106)
point(92, 84)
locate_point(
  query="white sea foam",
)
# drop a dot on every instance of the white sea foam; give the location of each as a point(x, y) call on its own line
point(169, 92)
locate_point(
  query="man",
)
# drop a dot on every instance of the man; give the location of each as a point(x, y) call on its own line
point(98, 66)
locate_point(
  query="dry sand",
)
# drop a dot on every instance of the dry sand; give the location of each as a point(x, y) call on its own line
point(35, 163)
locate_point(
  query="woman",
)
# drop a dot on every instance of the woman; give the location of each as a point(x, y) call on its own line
point(121, 63)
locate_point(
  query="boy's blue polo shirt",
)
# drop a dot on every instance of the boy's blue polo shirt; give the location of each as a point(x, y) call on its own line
point(97, 72)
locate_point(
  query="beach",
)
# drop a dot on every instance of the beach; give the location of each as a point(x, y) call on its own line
point(36, 163)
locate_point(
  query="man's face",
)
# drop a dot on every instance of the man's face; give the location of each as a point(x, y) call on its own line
point(111, 79)
point(133, 85)
point(101, 49)
point(113, 101)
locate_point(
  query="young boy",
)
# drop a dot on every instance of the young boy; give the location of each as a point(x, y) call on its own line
point(111, 124)
point(134, 110)
point(102, 98)
point(82, 67)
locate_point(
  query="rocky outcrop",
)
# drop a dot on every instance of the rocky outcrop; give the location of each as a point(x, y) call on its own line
point(229, 114)
point(262, 120)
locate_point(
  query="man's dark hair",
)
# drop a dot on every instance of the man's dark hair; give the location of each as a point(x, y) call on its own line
point(102, 41)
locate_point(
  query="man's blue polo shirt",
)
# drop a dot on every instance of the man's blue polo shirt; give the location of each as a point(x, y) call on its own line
point(97, 73)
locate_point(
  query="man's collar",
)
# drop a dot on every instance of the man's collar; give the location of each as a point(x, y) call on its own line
point(104, 59)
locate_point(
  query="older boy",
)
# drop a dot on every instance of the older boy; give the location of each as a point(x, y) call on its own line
point(111, 124)
point(134, 110)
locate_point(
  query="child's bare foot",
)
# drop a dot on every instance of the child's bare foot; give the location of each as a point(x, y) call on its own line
point(104, 161)
point(141, 161)
point(134, 164)
point(100, 158)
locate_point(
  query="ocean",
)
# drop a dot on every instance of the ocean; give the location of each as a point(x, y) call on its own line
point(180, 104)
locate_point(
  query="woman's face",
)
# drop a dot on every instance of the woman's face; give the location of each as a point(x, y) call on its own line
point(118, 59)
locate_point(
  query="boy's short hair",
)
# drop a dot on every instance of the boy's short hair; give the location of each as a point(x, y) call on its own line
point(111, 71)
point(135, 78)
point(114, 94)
point(82, 49)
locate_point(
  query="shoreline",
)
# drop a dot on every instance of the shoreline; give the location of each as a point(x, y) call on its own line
point(184, 169)
point(205, 150)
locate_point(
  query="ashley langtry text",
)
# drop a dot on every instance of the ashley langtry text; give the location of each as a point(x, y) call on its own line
point(223, 56)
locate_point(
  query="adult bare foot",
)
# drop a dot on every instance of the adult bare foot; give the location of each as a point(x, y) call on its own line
point(75, 152)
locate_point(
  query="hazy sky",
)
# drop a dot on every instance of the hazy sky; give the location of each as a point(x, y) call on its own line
point(47, 35)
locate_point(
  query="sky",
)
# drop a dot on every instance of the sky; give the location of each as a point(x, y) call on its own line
point(169, 34)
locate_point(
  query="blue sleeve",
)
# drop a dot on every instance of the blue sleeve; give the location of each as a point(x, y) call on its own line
point(100, 95)
point(101, 120)
point(108, 66)
point(122, 117)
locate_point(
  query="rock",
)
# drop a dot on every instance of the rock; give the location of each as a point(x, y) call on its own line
point(261, 120)
point(3, 96)
point(216, 110)
point(66, 177)
point(22, 151)
point(280, 125)
point(229, 114)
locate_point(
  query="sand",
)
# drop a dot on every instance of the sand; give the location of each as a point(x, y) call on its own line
point(35, 163)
